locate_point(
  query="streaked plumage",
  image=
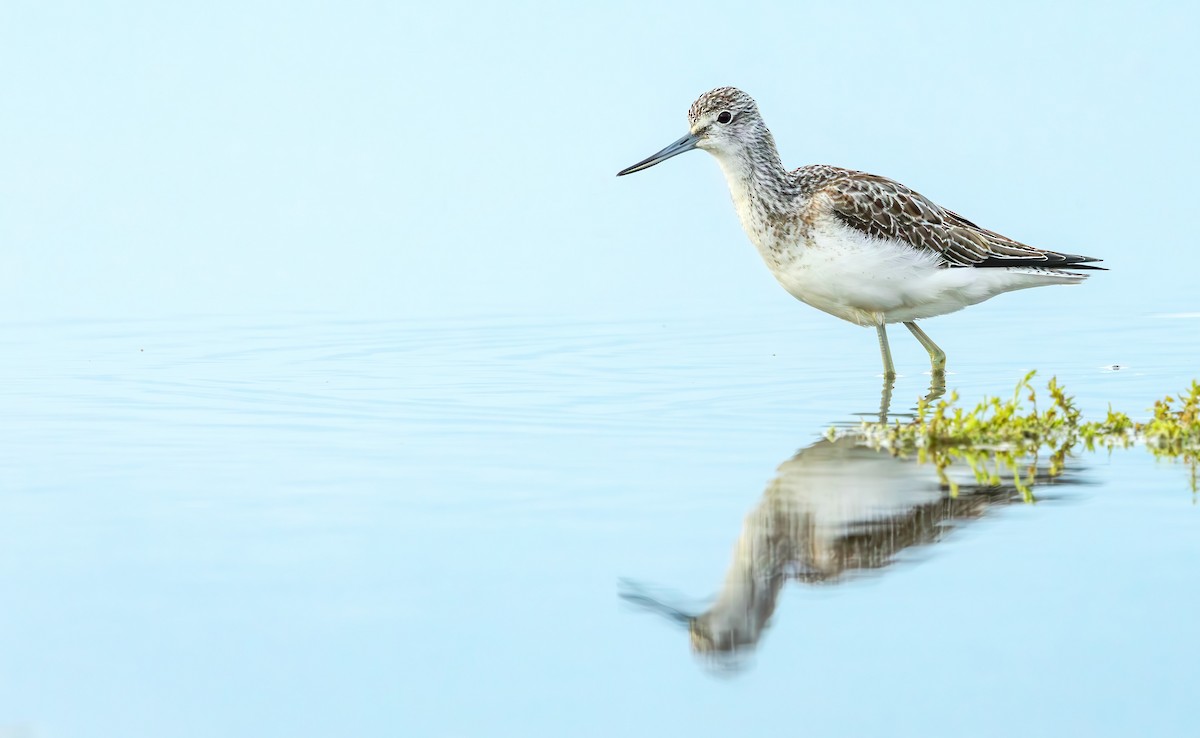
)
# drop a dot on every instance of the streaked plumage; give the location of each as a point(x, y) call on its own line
point(858, 246)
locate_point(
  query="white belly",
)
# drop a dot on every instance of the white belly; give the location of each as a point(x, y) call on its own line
point(871, 281)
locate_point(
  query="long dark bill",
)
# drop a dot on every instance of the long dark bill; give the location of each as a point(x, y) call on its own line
point(687, 143)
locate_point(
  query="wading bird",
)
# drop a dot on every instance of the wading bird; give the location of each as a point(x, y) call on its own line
point(858, 246)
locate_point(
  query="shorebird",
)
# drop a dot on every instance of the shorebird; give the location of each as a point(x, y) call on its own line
point(858, 246)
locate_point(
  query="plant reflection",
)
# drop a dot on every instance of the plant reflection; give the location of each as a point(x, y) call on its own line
point(837, 509)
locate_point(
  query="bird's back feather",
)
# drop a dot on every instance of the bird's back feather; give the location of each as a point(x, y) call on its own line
point(885, 209)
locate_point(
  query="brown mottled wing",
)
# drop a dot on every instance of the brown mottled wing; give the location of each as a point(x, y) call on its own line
point(882, 208)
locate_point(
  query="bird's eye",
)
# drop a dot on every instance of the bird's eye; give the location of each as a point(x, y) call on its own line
point(724, 117)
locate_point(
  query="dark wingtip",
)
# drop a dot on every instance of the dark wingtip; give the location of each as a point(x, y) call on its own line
point(1075, 261)
point(1049, 260)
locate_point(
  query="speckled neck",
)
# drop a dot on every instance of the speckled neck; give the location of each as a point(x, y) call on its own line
point(766, 197)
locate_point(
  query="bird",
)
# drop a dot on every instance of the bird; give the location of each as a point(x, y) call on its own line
point(861, 247)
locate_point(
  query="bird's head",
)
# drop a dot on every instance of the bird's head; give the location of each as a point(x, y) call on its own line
point(722, 122)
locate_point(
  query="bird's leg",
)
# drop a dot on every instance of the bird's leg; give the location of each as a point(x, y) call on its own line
point(937, 357)
point(889, 370)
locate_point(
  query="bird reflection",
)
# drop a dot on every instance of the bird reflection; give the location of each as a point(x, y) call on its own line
point(837, 509)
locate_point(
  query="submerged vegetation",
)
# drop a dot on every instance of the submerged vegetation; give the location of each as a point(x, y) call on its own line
point(1004, 439)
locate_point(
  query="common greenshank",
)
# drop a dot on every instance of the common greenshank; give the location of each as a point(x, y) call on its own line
point(858, 246)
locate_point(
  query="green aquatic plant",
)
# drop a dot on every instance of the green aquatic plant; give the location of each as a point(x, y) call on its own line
point(1173, 432)
point(1002, 439)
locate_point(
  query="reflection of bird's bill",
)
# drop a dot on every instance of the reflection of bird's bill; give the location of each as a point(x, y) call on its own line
point(639, 596)
point(721, 655)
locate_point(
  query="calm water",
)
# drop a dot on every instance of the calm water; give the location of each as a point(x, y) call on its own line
point(309, 526)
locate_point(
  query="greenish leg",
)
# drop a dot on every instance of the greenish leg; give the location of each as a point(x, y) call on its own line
point(885, 400)
point(889, 370)
point(937, 357)
point(937, 387)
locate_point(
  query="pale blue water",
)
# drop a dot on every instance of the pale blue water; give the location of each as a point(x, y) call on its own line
point(305, 525)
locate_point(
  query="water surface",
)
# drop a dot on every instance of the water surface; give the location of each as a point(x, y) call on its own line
point(316, 525)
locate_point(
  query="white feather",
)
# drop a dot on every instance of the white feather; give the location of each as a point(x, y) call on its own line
point(870, 281)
